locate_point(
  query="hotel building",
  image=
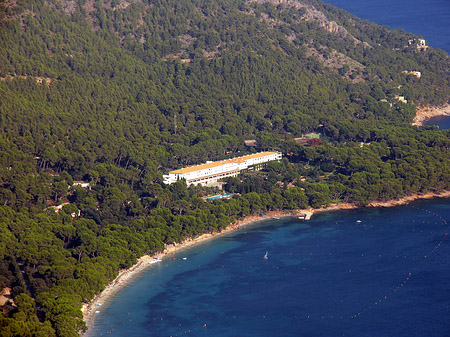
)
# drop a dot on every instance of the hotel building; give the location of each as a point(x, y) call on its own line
point(213, 171)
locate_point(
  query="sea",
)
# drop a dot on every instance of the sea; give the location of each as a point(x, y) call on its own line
point(443, 122)
point(427, 18)
point(366, 272)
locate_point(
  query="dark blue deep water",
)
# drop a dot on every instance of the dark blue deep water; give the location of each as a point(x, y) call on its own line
point(368, 272)
point(442, 121)
point(387, 275)
point(428, 18)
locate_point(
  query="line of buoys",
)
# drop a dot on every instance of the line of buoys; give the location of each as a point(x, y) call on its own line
point(444, 236)
point(404, 282)
point(377, 301)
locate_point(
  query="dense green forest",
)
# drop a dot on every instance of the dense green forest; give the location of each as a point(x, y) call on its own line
point(117, 93)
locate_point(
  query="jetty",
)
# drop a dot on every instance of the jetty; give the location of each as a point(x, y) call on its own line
point(305, 215)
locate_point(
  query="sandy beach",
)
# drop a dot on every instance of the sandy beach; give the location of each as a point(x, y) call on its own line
point(146, 261)
point(425, 113)
point(89, 309)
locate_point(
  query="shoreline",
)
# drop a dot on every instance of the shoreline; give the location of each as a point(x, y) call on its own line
point(424, 113)
point(143, 263)
point(89, 309)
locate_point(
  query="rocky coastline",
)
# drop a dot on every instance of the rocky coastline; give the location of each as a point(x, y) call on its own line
point(425, 113)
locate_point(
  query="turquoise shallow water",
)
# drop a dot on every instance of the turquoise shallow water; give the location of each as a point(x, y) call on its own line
point(369, 272)
point(387, 275)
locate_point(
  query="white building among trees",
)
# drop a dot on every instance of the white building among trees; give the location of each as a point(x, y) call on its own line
point(213, 171)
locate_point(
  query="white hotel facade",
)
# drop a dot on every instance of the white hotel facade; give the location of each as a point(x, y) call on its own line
point(213, 171)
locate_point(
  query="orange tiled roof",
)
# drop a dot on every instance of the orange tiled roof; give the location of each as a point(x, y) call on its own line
point(220, 163)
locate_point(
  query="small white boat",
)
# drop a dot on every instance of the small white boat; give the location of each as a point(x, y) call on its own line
point(301, 217)
point(358, 221)
point(266, 256)
point(185, 258)
point(97, 311)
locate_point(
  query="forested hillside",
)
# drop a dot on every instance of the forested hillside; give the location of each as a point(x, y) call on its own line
point(117, 93)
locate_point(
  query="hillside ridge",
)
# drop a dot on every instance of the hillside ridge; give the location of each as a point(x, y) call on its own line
point(100, 99)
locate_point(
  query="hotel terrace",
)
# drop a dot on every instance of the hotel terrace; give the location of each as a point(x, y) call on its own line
point(213, 171)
